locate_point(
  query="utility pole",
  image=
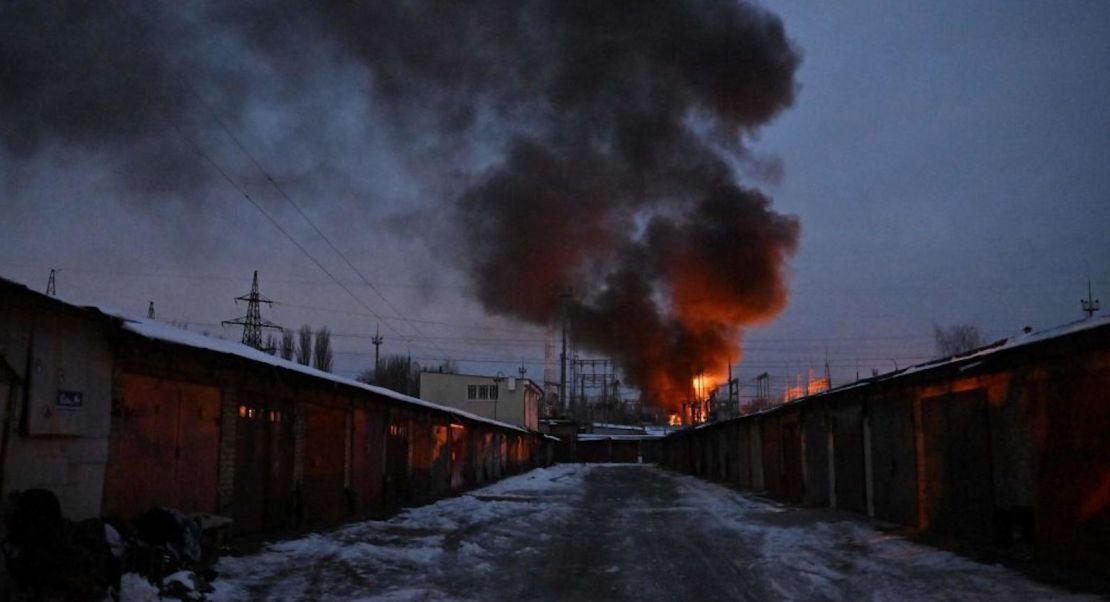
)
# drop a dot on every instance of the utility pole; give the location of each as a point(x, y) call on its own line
point(377, 341)
point(252, 323)
point(582, 392)
point(1089, 305)
point(150, 311)
point(564, 399)
point(828, 373)
point(733, 391)
point(522, 370)
point(50, 285)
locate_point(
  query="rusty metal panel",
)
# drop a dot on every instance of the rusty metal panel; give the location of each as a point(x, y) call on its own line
point(732, 467)
point(368, 456)
point(397, 485)
point(848, 463)
point(959, 491)
point(491, 444)
point(502, 455)
point(693, 447)
point(593, 451)
point(441, 459)
point(755, 444)
point(516, 452)
point(481, 456)
point(705, 447)
point(420, 472)
point(324, 460)
point(1071, 426)
point(627, 452)
point(743, 455)
point(893, 460)
point(722, 455)
point(815, 431)
point(164, 448)
point(509, 455)
point(462, 460)
point(793, 481)
point(198, 444)
point(141, 448)
point(772, 456)
point(263, 491)
point(252, 453)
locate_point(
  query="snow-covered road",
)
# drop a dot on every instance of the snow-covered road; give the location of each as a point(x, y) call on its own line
point(613, 532)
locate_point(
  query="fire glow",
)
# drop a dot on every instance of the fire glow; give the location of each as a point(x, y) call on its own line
point(591, 146)
point(623, 197)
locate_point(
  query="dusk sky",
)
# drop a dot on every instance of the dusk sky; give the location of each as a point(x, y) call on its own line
point(948, 163)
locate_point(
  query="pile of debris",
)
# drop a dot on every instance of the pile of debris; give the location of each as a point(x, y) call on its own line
point(49, 557)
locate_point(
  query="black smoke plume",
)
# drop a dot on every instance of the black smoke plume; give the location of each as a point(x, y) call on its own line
point(599, 142)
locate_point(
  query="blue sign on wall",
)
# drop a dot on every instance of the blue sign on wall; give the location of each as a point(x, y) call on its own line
point(70, 400)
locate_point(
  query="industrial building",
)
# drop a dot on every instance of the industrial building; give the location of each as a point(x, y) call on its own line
point(505, 398)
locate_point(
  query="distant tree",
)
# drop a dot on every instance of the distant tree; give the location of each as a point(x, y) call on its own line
point(398, 373)
point(304, 345)
point(321, 351)
point(447, 366)
point(288, 348)
point(956, 339)
point(270, 346)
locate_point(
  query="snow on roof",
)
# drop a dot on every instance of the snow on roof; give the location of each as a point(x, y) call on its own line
point(166, 333)
point(1014, 342)
point(621, 427)
point(660, 430)
point(981, 355)
point(603, 437)
point(57, 299)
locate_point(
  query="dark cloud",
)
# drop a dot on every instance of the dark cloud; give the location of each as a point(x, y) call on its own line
point(617, 99)
point(602, 137)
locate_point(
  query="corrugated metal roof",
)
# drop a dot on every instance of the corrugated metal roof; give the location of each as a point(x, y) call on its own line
point(596, 437)
point(974, 358)
point(166, 333)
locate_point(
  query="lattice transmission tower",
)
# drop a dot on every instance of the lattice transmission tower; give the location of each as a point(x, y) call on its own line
point(1089, 305)
point(253, 323)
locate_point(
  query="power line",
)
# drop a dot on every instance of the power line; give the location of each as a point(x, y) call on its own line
point(260, 209)
point(183, 276)
point(270, 218)
point(800, 355)
point(471, 326)
point(288, 199)
point(846, 362)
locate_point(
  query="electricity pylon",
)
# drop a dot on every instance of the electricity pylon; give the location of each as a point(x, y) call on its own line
point(253, 323)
